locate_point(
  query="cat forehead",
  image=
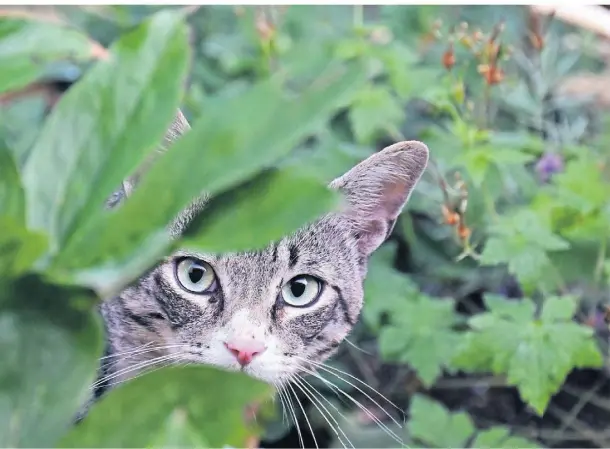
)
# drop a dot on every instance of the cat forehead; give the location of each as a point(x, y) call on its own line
point(322, 245)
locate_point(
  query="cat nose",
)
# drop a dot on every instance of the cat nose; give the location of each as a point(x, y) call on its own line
point(245, 350)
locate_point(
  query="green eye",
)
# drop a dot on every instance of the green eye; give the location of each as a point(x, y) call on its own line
point(196, 276)
point(301, 291)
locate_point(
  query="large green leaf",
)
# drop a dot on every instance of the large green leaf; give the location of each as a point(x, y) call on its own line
point(50, 350)
point(19, 248)
point(27, 46)
point(273, 205)
point(535, 354)
point(239, 138)
point(12, 202)
point(104, 127)
point(207, 399)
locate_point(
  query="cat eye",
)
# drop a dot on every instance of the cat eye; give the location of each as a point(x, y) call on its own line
point(195, 275)
point(301, 291)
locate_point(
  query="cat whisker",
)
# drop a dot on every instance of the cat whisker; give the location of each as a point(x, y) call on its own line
point(305, 415)
point(294, 415)
point(357, 347)
point(280, 397)
point(145, 371)
point(332, 370)
point(380, 423)
point(336, 428)
point(142, 350)
point(135, 367)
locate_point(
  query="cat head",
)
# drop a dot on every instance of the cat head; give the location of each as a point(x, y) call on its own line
point(281, 310)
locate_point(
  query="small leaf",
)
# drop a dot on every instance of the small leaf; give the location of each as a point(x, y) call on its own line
point(175, 388)
point(386, 290)
point(374, 111)
point(104, 127)
point(274, 204)
point(27, 46)
point(50, 348)
point(499, 437)
point(19, 248)
point(434, 425)
point(422, 336)
point(559, 308)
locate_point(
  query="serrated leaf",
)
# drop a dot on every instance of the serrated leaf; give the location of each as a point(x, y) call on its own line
point(274, 204)
point(434, 425)
point(386, 290)
point(19, 248)
point(175, 388)
point(26, 47)
point(521, 240)
point(50, 350)
point(421, 335)
point(558, 308)
point(499, 437)
point(240, 138)
point(536, 355)
point(581, 186)
point(374, 111)
point(104, 127)
point(12, 201)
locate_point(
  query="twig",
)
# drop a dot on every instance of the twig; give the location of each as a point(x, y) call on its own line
point(457, 383)
point(599, 438)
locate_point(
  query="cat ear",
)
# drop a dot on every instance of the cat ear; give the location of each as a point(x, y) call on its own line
point(377, 189)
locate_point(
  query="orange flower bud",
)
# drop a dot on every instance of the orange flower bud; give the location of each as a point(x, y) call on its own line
point(463, 232)
point(491, 74)
point(449, 58)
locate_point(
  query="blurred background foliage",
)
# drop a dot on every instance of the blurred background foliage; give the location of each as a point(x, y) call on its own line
point(484, 320)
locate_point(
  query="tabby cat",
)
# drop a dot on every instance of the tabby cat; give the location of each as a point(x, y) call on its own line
point(271, 313)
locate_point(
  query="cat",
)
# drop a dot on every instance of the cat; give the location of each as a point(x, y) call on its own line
point(271, 313)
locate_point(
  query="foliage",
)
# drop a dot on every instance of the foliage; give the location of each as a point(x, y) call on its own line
point(63, 253)
point(535, 353)
point(433, 425)
point(493, 268)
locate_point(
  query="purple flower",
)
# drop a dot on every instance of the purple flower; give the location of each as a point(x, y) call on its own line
point(549, 164)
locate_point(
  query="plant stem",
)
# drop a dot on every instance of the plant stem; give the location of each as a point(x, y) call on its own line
point(358, 16)
point(601, 258)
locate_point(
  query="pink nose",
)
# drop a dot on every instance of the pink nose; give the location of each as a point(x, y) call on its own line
point(245, 350)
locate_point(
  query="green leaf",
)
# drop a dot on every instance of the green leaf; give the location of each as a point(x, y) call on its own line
point(499, 437)
point(434, 425)
point(273, 205)
point(374, 111)
point(536, 355)
point(581, 186)
point(12, 202)
point(104, 127)
point(177, 390)
point(27, 46)
point(241, 137)
point(50, 344)
point(522, 240)
point(19, 248)
point(421, 335)
point(386, 290)
point(558, 308)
